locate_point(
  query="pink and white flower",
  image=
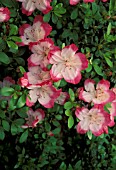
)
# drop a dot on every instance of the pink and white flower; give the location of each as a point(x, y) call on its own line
point(4, 14)
point(46, 95)
point(74, 2)
point(28, 6)
point(96, 120)
point(113, 105)
point(38, 31)
point(101, 95)
point(40, 52)
point(62, 98)
point(67, 64)
point(33, 118)
point(35, 76)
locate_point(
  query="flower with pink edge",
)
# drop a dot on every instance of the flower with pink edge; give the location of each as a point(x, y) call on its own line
point(33, 118)
point(67, 64)
point(28, 6)
point(95, 120)
point(4, 14)
point(101, 95)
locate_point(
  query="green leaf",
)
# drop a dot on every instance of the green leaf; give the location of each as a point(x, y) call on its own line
point(5, 125)
point(89, 134)
point(2, 114)
point(21, 102)
point(67, 112)
point(22, 70)
point(68, 105)
point(62, 166)
point(13, 29)
point(7, 91)
point(109, 28)
point(22, 112)
point(72, 95)
point(11, 44)
point(109, 62)
point(70, 122)
point(12, 104)
point(2, 134)
point(97, 69)
point(4, 58)
point(24, 136)
point(74, 14)
point(19, 122)
point(46, 17)
point(16, 39)
point(14, 129)
point(56, 131)
point(89, 68)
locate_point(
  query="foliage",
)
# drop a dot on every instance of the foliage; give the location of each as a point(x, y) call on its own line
point(53, 143)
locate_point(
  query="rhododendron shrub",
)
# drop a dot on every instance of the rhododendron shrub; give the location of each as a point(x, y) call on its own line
point(4, 14)
point(57, 84)
point(28, 6)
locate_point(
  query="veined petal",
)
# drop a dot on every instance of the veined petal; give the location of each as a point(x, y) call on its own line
point(55, 71)
point(71, 75)
point(43, 5)
point(89, 85)
point(103, 84)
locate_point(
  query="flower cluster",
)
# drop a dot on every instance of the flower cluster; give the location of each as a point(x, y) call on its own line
point(96, 119)
point(4, 14)
point(28, 6)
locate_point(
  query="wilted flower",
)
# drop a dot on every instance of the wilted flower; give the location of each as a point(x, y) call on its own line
point(4, 14)
point(40, 52)
point(33, 118)
point(101, 95)
point(39, 30)
point(96, 120)
point(67, 64)
point(28, 6)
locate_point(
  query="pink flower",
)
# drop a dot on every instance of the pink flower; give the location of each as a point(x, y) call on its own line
point(101, 95)
point(33, 118)
point(74, 2)
point(113, 105)
point(35, 76)
point(41, 50)
point(67, 64)
point(45, 94)
point(28, 6)
point(39, 30)
point(86, 1)
point(4, 14)
point(95, 120)
point(62, 98)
